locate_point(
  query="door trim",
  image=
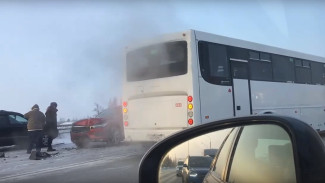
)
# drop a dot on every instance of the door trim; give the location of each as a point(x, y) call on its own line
point(232, 60)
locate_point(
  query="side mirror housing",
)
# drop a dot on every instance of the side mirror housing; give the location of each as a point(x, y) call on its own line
point(307, 147)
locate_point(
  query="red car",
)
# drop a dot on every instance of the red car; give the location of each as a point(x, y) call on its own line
point(106, 127)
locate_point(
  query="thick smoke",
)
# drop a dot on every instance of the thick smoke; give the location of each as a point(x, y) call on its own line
point(72, 52)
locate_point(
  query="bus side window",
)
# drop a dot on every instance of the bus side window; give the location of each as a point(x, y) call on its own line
point(214, 63)
point(237, 53)
point(318, 73)
point(303, 71)
point(283, 69)
point(260, 68)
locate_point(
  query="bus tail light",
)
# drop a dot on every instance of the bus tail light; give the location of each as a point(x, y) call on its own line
point(190, 106)
point(190, 110)
point(190, 121)
point(189, 98)
point(125, 110)
point(125, 116)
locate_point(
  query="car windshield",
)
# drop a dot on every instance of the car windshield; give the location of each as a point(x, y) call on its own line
point(89, 86)
point(180, 163)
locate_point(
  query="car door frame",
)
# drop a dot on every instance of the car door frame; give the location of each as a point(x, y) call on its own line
point(211, 172)
point(185, 169)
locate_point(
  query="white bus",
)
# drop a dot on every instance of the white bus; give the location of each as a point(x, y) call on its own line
point(190, 78)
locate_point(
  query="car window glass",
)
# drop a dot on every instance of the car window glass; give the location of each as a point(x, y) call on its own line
point(267, 151)
point(15, 119)
point(222, 159)
point(180, 163)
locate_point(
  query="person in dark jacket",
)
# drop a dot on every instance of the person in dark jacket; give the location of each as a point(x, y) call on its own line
point(35, 125)
point(51, 128)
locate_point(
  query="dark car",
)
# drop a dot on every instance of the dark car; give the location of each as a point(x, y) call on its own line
point(179, 167)
point(106, 127)
point(195, 168)
point(13, 128)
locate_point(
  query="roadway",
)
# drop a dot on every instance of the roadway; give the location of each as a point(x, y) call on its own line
point(169, 176)
point(95, 164)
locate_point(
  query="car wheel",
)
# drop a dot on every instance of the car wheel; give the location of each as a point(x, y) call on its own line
point(79, 145)
point(45, 141)
point(82, 143)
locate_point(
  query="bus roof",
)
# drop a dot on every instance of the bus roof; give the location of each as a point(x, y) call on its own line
point(255, 46)
point(200, 35)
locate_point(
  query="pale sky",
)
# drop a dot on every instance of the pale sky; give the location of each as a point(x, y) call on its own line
point(71, 51)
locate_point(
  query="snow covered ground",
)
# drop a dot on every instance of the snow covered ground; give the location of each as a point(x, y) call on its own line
point(63, 138)
point(17, 166)
point(17, 160)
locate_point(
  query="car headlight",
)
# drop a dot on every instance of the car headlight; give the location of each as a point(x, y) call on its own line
point(193, 174)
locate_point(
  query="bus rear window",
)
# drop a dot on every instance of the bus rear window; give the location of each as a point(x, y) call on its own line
point(157, 61)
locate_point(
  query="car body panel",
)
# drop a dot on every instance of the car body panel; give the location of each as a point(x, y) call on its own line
point(95, 130)
point(198, 165)
point(12, 133)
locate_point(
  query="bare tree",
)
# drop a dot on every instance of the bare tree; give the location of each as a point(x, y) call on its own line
point(98, 109)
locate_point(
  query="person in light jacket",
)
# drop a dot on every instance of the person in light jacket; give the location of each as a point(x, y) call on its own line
point(51, 128)
point(35, 125)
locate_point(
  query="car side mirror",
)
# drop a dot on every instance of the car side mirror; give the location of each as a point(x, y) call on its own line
point(280, 149)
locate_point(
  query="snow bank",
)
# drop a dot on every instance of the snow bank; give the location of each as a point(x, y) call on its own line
point(63, 138)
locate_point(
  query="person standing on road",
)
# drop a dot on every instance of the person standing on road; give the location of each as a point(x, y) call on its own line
point(51, 128)
point(35, 125)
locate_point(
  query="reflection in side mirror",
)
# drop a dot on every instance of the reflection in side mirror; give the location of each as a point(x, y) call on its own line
point(248, 149)
point(266, 149)
point(197, 154)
